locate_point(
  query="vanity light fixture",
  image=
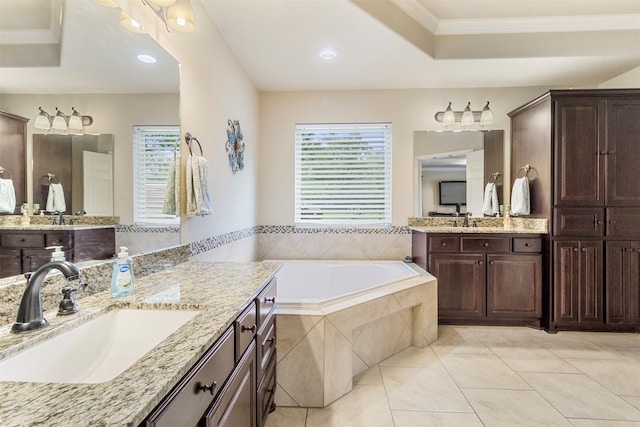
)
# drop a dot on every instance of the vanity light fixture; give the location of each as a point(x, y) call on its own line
point(61, 123)
point(74, 122)
point(466, 118)
point(43, 120)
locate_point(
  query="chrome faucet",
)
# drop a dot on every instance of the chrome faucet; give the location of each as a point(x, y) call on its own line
point(30, 316)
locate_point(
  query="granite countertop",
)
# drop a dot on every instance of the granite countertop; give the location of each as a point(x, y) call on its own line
point(36, 227)
point(477, 230)
point(486, 225)
point(219, 291)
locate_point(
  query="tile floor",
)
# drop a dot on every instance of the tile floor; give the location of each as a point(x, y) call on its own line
point(492, 376)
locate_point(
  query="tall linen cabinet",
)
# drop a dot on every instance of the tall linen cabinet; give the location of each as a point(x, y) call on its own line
point(583, 147)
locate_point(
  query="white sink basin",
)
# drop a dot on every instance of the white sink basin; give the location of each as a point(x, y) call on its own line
point(96, 351)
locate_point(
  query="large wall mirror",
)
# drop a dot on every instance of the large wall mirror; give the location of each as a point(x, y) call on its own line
point(453, 168)
point(92, 66)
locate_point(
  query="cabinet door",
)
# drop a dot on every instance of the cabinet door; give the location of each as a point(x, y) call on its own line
point(419, 248)
point(236, 405)
point(10, 262)
point(461, 284)
point(622, 283)
point(623, 152)
point(514, 286)
point(578, 291)
point(579, 136)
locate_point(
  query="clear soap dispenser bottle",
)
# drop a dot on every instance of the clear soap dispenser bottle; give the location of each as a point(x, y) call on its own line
point(57, 254)
point(122, 280)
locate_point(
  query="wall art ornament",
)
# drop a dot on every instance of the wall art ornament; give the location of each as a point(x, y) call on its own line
point(235, 146)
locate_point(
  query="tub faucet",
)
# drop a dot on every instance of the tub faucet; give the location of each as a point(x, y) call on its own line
point(30, 316)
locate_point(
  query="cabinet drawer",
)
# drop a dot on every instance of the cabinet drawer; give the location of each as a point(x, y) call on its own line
point(245, 327)
point(267, 392)
point(63, 239)
point(266, 345)
point(186, 403)
point(578, 222)
point(443, 243)
point(266, 303)
point(524, 244)
point(623, 222)
point(23, 240)
point(485, 244)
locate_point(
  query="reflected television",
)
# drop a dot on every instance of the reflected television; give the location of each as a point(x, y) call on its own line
point(452, 193)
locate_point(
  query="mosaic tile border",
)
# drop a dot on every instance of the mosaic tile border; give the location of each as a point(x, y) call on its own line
point(292, 229)
point(128, 228)
point(214, 242)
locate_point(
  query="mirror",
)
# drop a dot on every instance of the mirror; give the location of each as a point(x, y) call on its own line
point(454, 158)
point(82, 165)
point(98, 74)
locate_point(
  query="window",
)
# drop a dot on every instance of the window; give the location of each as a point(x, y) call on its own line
point(153, 151)
point(343, 174)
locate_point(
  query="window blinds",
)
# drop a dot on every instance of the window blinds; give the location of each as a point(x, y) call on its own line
point(343, 174)
point(153, 150)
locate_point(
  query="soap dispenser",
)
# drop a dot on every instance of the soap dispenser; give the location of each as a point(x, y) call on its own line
point(57, 254)
point(122, 280)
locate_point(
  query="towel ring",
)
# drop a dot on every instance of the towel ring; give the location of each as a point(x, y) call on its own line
point(188, 138)
point(52, 179)
point(495, 176)
point(526, 168)
point(3, 170)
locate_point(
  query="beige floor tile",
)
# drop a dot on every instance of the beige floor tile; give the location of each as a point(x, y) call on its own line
point(603, 423)
point(523, 359)
point(371, 376)
point(422, 389)
point(619, 376)
point(507, 335)
point(482, 371)
point(364, 406)
point(513, 408)
point(571, 345)
point(412, 357)
point(435, 419)
point(455, 339)
point(578, 396)
point(287, 417)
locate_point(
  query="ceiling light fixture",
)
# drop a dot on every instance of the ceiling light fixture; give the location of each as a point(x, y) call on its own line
point(466, 118)
point(131, 24)
point(175, 15)
point(328, 53)
point(146, 58)
point(61, 123)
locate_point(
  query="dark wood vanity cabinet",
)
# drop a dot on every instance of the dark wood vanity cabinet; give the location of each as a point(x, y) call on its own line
point(23, 251)
point(485, 279)
point(233, 383)
point(584, 148)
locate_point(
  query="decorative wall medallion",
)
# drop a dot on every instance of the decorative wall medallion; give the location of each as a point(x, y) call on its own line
point(235, 146)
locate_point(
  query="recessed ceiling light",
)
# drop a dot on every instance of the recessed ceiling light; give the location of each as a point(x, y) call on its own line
point(328, 53)
point(147, 59)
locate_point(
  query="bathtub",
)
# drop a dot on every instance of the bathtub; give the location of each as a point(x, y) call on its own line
point(336, 319)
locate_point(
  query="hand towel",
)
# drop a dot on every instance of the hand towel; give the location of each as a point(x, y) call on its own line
point(490, 204)
point(198, 192)
point(171, 204)
point(520, 203)
point(7, 196)
point(55, 198)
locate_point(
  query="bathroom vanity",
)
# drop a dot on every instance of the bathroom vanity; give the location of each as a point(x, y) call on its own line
point(23, 248)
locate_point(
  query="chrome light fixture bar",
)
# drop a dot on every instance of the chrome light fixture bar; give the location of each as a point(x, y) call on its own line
point(466, 118)
point(61, 123)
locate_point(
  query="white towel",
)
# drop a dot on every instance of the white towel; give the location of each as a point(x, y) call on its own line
point(520, 203)
point(55, 198)
point(490, 204)
point(7, 196)
point(171, 204)
point(198, 192)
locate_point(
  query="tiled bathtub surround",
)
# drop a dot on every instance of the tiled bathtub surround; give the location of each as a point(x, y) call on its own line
point(146, 239)
point(320, 351)
point(97, 275)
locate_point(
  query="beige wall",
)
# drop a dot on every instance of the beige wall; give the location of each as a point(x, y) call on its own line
point(114, 114)
point(407, 110)
point(630, 79)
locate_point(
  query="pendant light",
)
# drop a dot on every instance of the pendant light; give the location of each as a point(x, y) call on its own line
point(180, 17)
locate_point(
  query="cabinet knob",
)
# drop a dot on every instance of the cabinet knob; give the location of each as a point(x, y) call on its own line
point(271, 300)
point(209, 388)
point(603, 153)
point(612, 221)
point(584, 249)
point(486, 244)
point(628, 250)
point(526, 245)
point(491, 262)
point(271, 340)
point(251, 328)
point(599, 222)
point(443, 244)
point(575, 249)
point(611, 152)
point(479, 262)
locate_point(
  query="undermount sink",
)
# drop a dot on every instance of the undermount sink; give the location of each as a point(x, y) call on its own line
point(96, 351)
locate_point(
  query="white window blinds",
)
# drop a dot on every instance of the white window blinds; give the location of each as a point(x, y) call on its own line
point(153, 150)
point(343, 174)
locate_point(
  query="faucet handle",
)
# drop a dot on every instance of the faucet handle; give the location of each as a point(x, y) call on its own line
point(68, 305)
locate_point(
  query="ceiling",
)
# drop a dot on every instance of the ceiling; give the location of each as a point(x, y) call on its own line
point(383, 44)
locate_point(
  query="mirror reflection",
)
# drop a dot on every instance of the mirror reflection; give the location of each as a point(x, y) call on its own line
point(453, 168)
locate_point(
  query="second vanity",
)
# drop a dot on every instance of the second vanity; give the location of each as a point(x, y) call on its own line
point(487, 274)
point(220, 364)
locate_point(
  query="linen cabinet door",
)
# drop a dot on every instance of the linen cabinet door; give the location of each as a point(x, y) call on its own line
point(622, 283)
point(565, 281)
point(623, 152)
point(514, 286)
point(579, 136)
point(461, 285)
point(590, 276)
